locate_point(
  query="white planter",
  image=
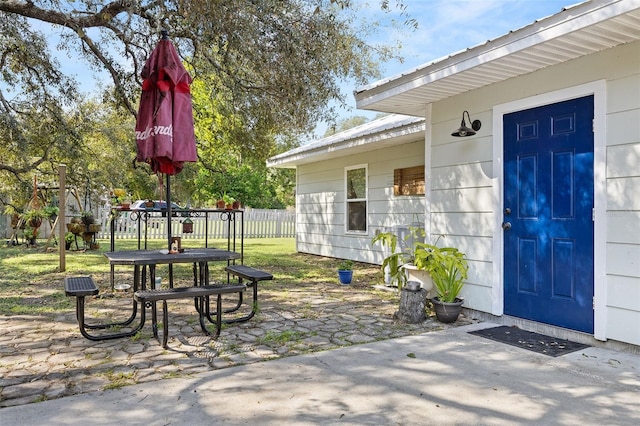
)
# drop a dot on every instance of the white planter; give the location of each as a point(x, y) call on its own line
point(423, 277)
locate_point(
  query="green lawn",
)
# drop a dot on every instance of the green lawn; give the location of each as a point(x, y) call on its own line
point(31, 283)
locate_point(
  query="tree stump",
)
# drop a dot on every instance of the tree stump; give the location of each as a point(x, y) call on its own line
point(412, 306)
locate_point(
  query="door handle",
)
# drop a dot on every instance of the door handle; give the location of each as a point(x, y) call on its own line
point(506, 225)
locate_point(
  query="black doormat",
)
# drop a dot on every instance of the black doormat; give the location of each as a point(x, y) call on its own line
point(535, 342)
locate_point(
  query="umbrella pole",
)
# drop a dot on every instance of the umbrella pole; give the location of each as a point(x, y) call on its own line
point(168, 198)
point(169, 228)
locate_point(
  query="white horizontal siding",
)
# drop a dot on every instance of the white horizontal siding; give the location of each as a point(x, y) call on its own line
point(460, 151)
point(618, 325)
point(623, 227)
point(623, 193)
point(624, 259)
point(624, 293)
point(465, 194)
point(623, 128)
point(463, 200)
point(623, 304)
point(624, 89)
point(320, 202)
point(624, 160)
point(479, 224)
point(473, 175)
point(623, 203)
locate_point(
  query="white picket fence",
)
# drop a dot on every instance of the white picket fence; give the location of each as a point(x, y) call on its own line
point(258, 223)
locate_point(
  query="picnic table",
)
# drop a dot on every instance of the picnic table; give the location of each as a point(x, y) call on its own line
point(234, 220)
point(80, 287)
point(143, 259)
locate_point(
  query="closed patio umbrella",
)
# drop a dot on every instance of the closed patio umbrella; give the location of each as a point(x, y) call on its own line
point(164, 127)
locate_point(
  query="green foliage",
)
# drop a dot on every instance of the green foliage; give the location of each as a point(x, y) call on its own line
point(345, 265)
point(345, 124)
point(228, 199)
point(37, 214)
point(232, 159)
point(248, 183)
point(51, 211)
point(396, 259)
point(263, 71)
point(31, 232)
point(282, 337)
point(447, 266)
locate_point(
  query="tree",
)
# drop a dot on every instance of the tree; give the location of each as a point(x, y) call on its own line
point(280, 59)
point(345, 124)
point(276, 63)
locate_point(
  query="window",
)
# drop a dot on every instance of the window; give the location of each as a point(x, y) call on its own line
point(408, 181)
point(356, 198)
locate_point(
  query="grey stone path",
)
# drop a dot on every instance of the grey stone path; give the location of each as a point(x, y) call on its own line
point(45, 357)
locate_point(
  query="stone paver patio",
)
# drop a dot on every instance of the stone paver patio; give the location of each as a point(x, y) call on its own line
point(45, 357)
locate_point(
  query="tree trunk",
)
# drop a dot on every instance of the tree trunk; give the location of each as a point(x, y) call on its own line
point(412, 306)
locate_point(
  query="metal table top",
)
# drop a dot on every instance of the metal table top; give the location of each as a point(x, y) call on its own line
point(159, 257)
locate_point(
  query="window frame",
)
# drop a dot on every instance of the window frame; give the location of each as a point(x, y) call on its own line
point(365, 199)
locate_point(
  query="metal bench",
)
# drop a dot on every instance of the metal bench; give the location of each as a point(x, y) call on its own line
point(199, 293)
point(80, 287)
point(253, 276)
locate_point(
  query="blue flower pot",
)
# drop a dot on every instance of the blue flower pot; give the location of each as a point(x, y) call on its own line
point(345, 276)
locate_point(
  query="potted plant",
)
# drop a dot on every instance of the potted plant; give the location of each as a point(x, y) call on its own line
point(31, 234)
point(220, 203)
point(121, 198)
point(404, 265)
point(87, 218)
point(448, 268)
point(228, 201)
point(75, 226)
point(33, 218)
point(69, 238)
point(345, 271)
point(51, 212)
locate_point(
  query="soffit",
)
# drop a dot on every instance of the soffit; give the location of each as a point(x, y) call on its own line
point(576, 31)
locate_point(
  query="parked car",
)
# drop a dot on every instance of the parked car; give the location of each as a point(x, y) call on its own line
point(159, 206)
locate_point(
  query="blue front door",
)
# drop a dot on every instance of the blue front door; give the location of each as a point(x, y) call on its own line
point(548, 214)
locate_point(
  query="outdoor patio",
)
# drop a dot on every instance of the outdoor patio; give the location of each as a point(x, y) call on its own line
point(45, 357)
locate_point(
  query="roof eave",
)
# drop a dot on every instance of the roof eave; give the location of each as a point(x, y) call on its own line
point(389, 137)
point(569, 21)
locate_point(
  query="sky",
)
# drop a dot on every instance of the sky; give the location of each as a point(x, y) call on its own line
point(445, 27)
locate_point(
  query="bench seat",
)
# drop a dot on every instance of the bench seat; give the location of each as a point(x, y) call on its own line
point(81, 287)
point(253, 276)
point(201, 293)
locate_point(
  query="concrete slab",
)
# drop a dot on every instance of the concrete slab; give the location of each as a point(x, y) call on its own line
point(446, 377)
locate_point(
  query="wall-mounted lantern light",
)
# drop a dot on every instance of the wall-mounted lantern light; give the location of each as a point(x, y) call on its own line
point(466, 131)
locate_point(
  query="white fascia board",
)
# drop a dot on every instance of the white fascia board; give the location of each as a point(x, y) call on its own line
point(566, 22)
point(307, 153)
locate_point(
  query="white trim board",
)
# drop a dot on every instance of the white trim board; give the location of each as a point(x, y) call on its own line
point(599, 91)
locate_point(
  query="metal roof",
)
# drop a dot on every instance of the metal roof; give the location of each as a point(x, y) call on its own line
point(389, 130)
point(576, 31)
